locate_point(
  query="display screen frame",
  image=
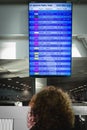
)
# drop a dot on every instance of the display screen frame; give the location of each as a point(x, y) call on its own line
point(49, 75)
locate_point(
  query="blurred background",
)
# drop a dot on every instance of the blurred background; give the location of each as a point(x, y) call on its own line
point(16, 87)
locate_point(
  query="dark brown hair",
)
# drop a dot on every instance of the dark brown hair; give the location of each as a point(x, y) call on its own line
point(54, 109)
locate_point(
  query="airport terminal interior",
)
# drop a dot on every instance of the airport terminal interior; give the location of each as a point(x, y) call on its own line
point(16, 86)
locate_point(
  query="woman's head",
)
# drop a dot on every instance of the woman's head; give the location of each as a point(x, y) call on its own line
point(52, 109)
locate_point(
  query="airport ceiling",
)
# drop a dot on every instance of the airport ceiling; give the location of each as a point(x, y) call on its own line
point(19, 70)
point(27, 1)
point(16, 85)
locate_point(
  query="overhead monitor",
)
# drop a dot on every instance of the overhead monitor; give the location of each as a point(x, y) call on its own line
point(50, 39)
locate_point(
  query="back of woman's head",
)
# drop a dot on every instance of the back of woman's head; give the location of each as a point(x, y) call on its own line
point(54, 109)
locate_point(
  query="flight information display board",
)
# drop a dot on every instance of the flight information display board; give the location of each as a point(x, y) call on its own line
point(50, 39)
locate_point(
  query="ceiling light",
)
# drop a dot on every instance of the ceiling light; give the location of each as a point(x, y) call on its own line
point(17, 82)
point(21, 84)
point(80, 87)
point(9, 79)
point(84, 85)
point(9, 86)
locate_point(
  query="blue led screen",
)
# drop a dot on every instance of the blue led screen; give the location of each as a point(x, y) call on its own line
point(50, 39)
